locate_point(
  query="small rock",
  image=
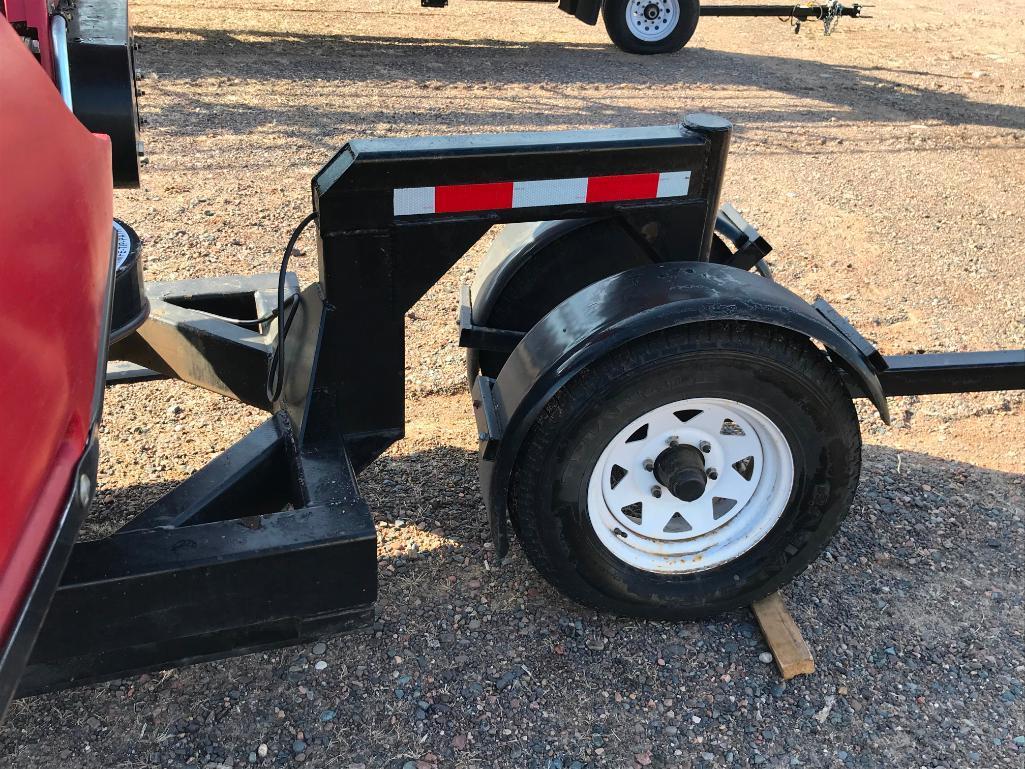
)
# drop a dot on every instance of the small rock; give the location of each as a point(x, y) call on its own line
point(321, 665)
point(507, 679)
point(262, 750)
point(765, 657)
point(327, 715)
point(298, 746)
point(319, 648)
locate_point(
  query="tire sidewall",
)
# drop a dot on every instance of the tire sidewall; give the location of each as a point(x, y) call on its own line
point(819, 497)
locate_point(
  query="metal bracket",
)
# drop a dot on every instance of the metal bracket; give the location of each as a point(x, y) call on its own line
point(751, 246)
point(490, 427)
point(205, 332)
point(482, 337)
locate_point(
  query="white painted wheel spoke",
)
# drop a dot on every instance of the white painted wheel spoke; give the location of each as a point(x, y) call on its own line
point(624, 494)
point(732, 486)
point(707, 420)
point(698, 513)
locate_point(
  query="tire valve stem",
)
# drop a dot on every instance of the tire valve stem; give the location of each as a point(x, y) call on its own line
point(656, 491)
point(619, 532)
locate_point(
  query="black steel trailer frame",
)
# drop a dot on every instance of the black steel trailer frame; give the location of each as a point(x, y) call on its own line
point(796, 11)
point(271, 543)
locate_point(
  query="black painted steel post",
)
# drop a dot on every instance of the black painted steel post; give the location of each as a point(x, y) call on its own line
point(718, 131)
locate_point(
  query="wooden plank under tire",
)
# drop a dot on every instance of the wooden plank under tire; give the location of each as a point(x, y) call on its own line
point(789, 649)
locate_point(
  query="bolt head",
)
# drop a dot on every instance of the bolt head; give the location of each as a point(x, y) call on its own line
point(649, 465)
point(705, 446)
point(656, 491)
point(712, 473)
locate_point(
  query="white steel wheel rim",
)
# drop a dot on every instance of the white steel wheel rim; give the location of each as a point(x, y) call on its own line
point(652, 20)
point(749, 477)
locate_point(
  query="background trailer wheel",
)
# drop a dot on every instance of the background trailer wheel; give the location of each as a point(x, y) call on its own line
point(693, 471)
point(650, 26)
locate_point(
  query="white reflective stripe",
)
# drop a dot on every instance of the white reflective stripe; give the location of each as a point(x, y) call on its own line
point(549, 192)
point(410, 201)
point(673, 184)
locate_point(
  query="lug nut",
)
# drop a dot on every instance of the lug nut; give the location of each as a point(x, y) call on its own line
point(649, 465)
point(674, 441)
point(705, 446)
point(712, 473)
point(656, 491)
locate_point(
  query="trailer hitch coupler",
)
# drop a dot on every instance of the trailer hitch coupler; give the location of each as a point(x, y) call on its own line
point(718, 131)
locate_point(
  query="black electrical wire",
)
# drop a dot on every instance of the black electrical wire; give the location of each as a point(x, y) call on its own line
point(276, 372)
point(244, 321)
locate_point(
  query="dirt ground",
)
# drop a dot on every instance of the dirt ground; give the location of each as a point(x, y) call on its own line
point(885, 164)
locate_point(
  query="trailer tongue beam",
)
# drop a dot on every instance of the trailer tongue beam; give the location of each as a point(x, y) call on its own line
point(797, 12)
point(953, 372)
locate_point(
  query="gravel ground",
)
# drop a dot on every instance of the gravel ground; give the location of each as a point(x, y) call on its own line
point(884, 163)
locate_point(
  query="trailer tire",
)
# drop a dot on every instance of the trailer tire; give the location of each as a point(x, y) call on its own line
point(800, 479)
point(650, 26)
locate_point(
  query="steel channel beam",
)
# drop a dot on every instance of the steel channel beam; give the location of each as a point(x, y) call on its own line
point(953, 372)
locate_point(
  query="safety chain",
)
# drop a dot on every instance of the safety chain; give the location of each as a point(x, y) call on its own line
point(832, 18)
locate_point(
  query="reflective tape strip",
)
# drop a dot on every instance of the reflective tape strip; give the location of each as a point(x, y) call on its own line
point(554, 192)
point(411, 201)
point(673, 184)
point(496, 196)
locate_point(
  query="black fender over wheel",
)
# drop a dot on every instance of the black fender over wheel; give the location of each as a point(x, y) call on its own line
point(631, 493)
point(534, 266)
point(650, 26)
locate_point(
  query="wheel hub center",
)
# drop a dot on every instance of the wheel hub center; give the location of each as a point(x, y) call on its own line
point(681, 469)
point(651, 11)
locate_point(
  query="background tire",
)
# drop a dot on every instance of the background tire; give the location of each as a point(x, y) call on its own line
point(650, 26)
point(772, 372)
point(558, 271)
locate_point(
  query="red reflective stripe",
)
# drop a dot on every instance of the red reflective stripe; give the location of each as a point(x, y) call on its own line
point(472, 197)
point(602, 189)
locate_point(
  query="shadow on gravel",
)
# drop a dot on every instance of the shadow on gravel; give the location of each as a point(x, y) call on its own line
point(256, 55)
point(913, 612)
